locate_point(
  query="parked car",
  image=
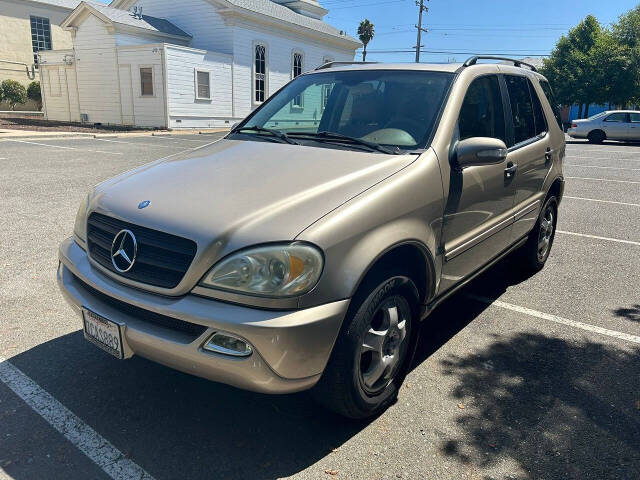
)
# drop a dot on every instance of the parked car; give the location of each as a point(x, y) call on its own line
point(610, 125)
point(303, 250)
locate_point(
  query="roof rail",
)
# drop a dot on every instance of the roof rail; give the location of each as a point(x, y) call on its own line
point(518, 63)
point(337, 64)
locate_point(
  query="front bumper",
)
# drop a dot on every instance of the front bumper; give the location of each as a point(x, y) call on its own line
point(290, 348)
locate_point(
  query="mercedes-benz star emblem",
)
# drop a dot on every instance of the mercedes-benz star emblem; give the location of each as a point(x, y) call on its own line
point(124, 250)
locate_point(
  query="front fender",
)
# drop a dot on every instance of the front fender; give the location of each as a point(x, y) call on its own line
point(406, 208)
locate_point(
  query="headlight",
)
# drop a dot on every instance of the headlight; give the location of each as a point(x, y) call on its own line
point(80, 227)
point(271, 271)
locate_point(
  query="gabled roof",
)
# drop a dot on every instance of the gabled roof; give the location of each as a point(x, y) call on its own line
point(116, 17)
point(68, 4)
point(271, 10)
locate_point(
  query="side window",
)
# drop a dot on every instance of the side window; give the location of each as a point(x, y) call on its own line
point(546, 88)
point(616, 117)
point(538, 113)
point(482, 113)
point(635, 117)
point(521, 108)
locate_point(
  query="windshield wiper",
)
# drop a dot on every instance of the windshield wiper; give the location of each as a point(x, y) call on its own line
point(338, 137)
point(276, 133)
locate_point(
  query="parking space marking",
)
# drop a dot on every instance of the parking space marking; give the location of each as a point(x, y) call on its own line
point(598, 166)
point(157, 145)
point(557, 319)
point(596, 237)
point(63, 148)
point(604, 180)
point(617, 159)
point(177, 138)
point(602, 201)
point(111, 460)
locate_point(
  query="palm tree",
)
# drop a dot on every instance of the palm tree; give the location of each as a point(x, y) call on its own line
point(365, 33)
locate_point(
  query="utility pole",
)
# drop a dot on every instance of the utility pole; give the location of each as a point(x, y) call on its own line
point(424, 9)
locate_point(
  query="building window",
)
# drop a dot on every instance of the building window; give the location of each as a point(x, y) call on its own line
point(40, 36)
point(296, 70)
point(146, 81)
point(203, 85)
point(260, 73)
point(326, 92)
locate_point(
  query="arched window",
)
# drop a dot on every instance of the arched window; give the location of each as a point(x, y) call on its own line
point(260, 73)
point(296, 69)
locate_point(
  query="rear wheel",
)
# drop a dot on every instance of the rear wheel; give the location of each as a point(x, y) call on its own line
point(372, 352)
point(536, 251)
point(597, 136)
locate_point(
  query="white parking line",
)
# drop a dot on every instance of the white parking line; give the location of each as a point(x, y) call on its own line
point(176, 138)
point(602, 201)
point(582, 157)
point(111, 460)
point(557, 319)
point(597, 166)
point(604, 180)
point(64, 148)
point(157, 145)
point(596, 237)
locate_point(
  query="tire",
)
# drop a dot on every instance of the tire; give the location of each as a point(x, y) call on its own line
point(596, 136)
point(535, 252)
point(347, 385)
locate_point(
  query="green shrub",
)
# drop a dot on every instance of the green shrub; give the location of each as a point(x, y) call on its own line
point(33, 93)
point(14, 93)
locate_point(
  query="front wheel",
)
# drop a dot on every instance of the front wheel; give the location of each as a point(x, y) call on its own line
point(369, 360)
point(536, 251)
point(597, 136)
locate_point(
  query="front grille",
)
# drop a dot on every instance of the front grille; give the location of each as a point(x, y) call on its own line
point(192, 329)
point(162, 259)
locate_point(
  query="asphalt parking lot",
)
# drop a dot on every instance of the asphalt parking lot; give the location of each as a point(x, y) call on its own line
point(518, 378)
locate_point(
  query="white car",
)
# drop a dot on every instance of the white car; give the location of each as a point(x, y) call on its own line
point(610, 125)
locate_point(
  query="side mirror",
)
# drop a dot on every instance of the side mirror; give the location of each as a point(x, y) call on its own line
point(479, 151)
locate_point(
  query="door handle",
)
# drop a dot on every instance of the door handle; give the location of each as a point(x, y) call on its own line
point(511, 170)
point(548, 155)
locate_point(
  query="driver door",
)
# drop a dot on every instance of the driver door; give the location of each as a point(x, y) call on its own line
point(477, 225)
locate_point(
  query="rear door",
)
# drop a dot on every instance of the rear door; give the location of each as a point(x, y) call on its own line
point(616, 126)
point(530, 151)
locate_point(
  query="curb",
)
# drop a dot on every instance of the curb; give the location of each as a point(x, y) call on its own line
point(30, 135)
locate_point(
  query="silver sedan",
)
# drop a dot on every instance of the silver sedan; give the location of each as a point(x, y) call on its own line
point(610, 125)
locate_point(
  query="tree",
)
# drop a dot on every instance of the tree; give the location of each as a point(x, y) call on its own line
point(365, 34)
point(33, 93)
point(13, 93)
point(626, 32)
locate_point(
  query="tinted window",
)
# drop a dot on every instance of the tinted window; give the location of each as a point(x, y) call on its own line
point(521, 108)
point(616, 117)
point(546, 88)
point(538, 114)
point(482, 114)
point(635, 117)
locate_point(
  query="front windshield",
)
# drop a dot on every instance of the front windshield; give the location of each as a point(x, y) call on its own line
point(396, 108)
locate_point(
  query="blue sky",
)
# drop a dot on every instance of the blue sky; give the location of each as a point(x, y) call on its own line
point(511, 27)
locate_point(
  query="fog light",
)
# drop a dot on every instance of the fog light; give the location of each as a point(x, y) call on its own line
point(228, 345)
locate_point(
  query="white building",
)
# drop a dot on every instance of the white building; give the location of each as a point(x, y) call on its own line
point(184, 64)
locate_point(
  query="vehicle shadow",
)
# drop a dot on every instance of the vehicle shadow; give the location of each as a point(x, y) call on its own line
point(560, 409)
point(179, 426)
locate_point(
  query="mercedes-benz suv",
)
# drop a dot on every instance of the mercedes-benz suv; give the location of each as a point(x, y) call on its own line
point(303, 249)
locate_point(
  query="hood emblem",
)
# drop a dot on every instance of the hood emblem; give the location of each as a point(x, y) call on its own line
point(144, 204)
point(124, 250)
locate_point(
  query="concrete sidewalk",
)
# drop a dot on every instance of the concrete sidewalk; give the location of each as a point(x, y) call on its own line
point(11, 133)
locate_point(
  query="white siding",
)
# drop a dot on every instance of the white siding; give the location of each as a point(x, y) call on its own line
point(199, 18)
point(185, 111)
point(97, 70)
point(280, 48)
point(148, 111)
point(59, 87)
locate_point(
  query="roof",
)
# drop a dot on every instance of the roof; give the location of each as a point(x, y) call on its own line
point(124, 17)
point(68, 4)
point(276, 11)
point(430, 67)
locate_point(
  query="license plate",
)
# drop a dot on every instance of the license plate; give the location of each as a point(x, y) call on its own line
point(103, 333)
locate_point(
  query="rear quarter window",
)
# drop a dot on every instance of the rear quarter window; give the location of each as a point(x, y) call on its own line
point(546, 88)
